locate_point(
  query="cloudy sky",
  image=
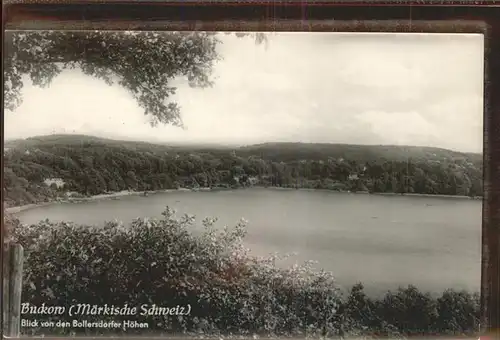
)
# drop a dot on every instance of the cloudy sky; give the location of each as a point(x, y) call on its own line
point(416, 89)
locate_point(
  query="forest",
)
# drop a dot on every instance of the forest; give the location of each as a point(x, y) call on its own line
point(47, 168)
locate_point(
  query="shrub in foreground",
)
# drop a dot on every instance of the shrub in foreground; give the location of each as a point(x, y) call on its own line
point(162, 262)
point(410, 312)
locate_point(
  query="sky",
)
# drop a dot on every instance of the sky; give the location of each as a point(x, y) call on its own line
point(370, 88)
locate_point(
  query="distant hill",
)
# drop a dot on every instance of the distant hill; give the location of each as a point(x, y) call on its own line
point(76, 140)
point(280, 152)
point(290, 151)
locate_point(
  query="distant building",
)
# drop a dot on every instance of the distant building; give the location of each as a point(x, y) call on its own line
point(252, 180)
point(225, 173)
point(72, 194)
point(57, 181)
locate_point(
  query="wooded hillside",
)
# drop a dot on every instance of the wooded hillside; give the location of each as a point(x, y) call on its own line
point(89, 165)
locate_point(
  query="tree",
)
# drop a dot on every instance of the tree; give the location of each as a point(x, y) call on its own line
point(360, 308)
point(409, 309)
point(458, 311)
point(145, 63)
point(131, 180)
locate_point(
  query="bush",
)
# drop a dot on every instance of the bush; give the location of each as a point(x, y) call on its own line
point(458, 312)
point(409, 309)
point(160, 261)
point(409, 312)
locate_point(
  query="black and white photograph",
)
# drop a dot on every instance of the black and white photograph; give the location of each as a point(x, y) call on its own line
point(241, 184)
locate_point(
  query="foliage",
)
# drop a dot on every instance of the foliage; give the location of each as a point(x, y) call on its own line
point(92, 166)
point(163, 261)
point(145, 63)
point(409, 312)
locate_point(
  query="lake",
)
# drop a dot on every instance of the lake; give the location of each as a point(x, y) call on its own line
point(382, 241)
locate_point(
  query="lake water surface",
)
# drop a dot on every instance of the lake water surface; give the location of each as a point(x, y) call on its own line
point(382, 241)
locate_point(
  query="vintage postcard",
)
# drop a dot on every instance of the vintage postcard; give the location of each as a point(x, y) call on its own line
point(208, 184)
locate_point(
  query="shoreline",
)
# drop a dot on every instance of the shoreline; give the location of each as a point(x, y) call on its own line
point(378, 193)
point(100, 197)
point(117, 195)
point(476, 198)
